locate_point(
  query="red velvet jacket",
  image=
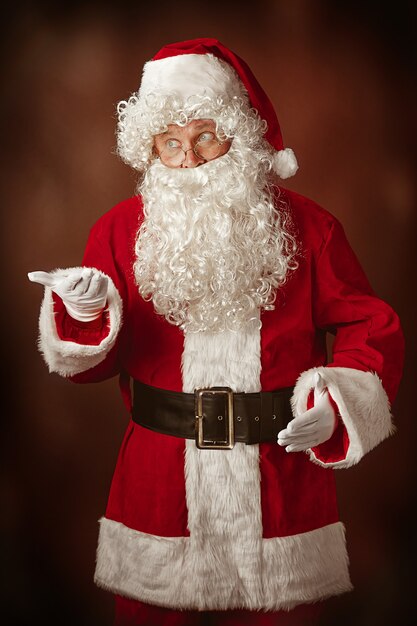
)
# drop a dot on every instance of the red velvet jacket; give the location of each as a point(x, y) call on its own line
point(255, 527)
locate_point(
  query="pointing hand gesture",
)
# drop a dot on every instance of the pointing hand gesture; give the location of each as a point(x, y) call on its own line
point(313, 427)
point(82, 290)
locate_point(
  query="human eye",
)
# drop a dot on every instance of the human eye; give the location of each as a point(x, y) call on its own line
point(206, 136)
point(173, 144)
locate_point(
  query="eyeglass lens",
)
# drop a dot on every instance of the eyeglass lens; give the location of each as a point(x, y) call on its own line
point(175, 155)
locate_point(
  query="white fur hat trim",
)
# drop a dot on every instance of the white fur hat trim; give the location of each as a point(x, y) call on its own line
point(186, 75)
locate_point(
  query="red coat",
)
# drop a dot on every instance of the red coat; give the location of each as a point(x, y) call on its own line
point(255, 527)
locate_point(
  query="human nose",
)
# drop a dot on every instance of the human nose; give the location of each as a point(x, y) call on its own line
point(191, 159)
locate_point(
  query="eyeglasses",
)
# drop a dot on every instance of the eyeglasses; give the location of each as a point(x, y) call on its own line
point(207, 147)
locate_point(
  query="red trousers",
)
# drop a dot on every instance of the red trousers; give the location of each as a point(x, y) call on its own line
point(133, 613)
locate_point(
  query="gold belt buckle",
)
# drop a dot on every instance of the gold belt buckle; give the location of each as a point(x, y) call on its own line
point(201, 443)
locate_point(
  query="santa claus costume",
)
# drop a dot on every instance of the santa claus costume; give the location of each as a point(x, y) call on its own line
point(220, 277)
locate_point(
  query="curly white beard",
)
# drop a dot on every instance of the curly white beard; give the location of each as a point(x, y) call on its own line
point(212, 248)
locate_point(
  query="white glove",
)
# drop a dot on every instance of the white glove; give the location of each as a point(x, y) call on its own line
point(82, 290)
point(313, 427)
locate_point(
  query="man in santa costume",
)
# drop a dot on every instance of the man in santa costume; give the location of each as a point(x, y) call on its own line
point(210, 293)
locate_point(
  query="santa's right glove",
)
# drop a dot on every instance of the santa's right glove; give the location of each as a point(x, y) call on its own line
point(82, 290)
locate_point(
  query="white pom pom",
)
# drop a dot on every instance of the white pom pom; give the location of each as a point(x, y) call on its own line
point(285, 163)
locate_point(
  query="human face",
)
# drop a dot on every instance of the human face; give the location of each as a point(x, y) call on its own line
point(191, 145)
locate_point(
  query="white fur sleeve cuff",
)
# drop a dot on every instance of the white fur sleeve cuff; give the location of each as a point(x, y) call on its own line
point(363, 407)
point(68, 358)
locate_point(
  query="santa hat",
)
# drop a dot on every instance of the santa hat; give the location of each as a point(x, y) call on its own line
point(206, 67)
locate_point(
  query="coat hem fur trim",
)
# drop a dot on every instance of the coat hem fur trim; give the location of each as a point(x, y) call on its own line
point(297, 569)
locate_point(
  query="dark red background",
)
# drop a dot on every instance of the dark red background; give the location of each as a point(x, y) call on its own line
point(341, 78)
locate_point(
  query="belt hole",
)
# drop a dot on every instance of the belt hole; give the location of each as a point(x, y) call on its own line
point(220, 417)
point(239, 419)
point(274, 417)
point(256, 418)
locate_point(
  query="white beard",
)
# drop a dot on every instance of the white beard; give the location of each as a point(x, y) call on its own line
point(212, 248)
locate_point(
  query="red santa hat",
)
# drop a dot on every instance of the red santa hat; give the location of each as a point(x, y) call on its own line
point(206, 67)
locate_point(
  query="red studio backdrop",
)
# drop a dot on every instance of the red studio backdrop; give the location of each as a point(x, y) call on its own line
point(341, 80)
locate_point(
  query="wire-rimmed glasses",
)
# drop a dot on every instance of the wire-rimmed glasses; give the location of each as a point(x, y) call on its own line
point(206, 147)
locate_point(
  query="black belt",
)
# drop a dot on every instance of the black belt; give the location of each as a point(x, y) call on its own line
point(215, 417)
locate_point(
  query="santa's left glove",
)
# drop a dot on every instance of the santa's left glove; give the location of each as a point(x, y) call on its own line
point(313, 427)
point(82, 290)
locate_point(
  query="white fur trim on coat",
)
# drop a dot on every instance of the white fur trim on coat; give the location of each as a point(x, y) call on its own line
point(188, 75)
point(363, 406)
point(295, 569)
point(225, 523)
point(68, 357)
